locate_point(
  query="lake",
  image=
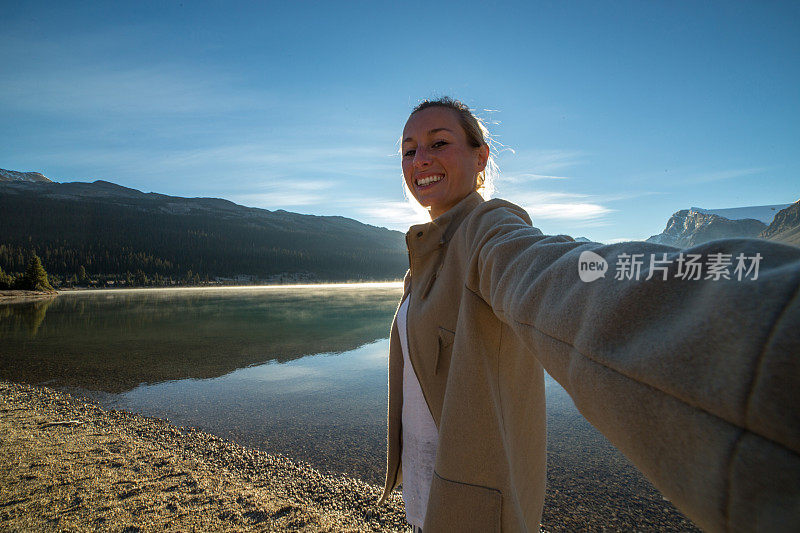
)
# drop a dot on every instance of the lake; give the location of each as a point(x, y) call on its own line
point(300, 371)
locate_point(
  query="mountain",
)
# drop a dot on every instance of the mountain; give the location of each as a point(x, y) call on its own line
point(689, 227)
point(764, 213)
point(785, 227)
point(115, 231)
point(13, 175)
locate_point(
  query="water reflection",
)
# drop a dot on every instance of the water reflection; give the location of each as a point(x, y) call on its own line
point(23, 318)
point(112, 341)
point(327, 409)
point(296, 371)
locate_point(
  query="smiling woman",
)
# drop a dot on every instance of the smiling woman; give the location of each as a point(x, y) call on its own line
point(692, 378)
point(446, 155)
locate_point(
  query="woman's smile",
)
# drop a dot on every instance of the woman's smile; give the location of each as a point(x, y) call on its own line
point(439, 165)
point(424, 182)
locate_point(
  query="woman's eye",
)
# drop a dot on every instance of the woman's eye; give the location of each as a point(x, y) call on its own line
point(439, 144)
point(409, 153)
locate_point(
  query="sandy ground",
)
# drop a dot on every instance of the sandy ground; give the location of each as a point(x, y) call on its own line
point(68, 465)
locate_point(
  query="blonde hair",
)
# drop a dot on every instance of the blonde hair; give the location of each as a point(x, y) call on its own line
point(477, 136)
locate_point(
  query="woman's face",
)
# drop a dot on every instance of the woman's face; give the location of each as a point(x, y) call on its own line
point(439, 165)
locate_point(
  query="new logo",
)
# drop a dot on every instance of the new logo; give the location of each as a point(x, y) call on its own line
point(591, 266)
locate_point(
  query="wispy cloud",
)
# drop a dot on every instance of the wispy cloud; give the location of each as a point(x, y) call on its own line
point(525, 168)
point(287, 155)
point(561, 206)
point(286, 193)
point(143, 90)
point(236, 166)
point(567, 211)
point(528, 177)
point(539, 162)
point(618, 197)
point(391, 214)
point(278, 199)
point(93, 76)
point(522, 168)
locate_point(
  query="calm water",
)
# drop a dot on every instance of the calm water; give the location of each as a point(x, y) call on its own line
point(300, 371)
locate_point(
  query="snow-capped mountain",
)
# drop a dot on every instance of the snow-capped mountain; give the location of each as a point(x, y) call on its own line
point(32, 177)
point(764, 213)
point(689, 227)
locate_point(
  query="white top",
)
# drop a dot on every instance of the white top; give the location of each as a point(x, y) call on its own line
point(420, 436)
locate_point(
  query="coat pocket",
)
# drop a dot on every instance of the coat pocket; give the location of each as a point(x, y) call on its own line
point(455, 506)
point(446, 338)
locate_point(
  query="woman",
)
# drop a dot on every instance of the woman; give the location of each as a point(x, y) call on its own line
point(693, 379)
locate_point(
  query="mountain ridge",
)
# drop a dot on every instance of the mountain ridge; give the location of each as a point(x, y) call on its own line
point(696, 225)
point(763, 213)
point(785, 227)
point(112, 228)
point(14, 175)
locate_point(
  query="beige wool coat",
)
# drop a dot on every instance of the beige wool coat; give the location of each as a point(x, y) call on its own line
point(696, 381)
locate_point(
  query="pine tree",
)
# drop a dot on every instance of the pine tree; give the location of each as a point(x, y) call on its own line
point(141, 278)
point(36, 276)
point(6, 281)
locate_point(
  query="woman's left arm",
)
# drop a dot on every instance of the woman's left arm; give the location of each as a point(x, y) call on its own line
point(695, 377)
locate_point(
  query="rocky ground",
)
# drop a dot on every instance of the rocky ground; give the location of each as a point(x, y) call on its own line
point(67, 464)
point(70, 465)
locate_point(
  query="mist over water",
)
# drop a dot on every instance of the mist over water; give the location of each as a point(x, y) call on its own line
point(112, 341)
point(300, 371)
point(295, 370)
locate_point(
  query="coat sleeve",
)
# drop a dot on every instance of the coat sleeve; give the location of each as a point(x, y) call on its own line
point(697, 381)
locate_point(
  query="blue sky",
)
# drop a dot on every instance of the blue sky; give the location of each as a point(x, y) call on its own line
point(611, 115)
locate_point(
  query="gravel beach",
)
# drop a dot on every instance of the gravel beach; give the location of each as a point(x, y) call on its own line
point(68, 464)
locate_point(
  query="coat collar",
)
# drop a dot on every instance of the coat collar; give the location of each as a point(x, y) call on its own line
point(425, 238)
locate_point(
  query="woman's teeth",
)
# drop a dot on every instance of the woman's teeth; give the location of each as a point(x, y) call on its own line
point(430, 179)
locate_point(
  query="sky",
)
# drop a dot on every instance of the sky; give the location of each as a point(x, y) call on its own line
point(607, 117)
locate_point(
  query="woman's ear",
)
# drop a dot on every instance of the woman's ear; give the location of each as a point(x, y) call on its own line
point(483, 157)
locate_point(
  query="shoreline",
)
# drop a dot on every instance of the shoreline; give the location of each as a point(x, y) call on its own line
point(14, 296)
point(344, 284)
point(67, 463)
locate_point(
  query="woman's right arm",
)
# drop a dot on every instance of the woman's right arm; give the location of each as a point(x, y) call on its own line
point(697, 381)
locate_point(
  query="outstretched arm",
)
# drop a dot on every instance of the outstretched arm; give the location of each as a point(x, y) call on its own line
point(697, 381)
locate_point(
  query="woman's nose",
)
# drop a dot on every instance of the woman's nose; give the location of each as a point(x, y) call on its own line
point(421, 158)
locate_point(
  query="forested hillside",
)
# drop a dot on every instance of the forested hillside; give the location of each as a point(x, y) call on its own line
point(115, 233)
